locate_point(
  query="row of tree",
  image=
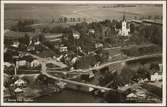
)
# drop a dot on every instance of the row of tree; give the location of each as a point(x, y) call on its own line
point(24, 25)
point(66, 19)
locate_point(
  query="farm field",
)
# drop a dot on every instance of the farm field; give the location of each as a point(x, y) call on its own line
point(45, 13)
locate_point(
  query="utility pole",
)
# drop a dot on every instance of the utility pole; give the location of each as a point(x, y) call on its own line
point(76, 37)
point(16, 58)
point(16, 68)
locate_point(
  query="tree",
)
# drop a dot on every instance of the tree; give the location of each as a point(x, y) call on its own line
point(152, 33)
point(53, 20)
point(65, 19)
point(57, 29)
point(117, 24)
point(42, 38)
point(24, 40)
point(27, 39)
point(132, 28)
point(46, 29)
point(156, 34)
point(23, 25)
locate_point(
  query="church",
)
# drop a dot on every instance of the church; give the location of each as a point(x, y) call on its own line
point(124, 31)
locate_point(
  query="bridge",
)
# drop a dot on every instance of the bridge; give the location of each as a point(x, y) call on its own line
point(44, 68)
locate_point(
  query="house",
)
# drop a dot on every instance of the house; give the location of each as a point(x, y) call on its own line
point(156, 77)
point(98, 45)
point(18, 90)
point(21, 63)
point(106, 32)
point(37, 43)
point(15, 44)
point(20, 83)
point(76, 35)
point(63, 49)
point(91, 31)
point(131, 95)
point(35, 63)
point(7, 64)
point(31, 48)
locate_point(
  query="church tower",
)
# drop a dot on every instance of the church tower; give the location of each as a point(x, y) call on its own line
point(124, 30)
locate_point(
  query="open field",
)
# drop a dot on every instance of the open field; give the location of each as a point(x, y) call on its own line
point(46, 12)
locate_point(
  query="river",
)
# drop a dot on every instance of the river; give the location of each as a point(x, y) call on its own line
point(69, 96)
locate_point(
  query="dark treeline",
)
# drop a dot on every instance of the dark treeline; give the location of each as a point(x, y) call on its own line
point(105, 32)
point(24, 25)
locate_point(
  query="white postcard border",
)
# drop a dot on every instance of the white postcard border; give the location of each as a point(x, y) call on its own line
point(86, 2)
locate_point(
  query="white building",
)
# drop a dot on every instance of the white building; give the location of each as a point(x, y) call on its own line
point(20, 83)
point(92, 31)
point(98, 45)
point(156, 77)
point(124, 30)
point(63, 49)
point(21, 63)
point(37, 43)
point(35, 63)
point(76, 35)
point(7, 64)
point(15, 44)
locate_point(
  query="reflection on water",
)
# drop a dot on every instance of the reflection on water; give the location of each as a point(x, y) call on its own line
point(69, 96)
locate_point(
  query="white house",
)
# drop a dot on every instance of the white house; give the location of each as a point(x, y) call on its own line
point(20, 83)
point(21, 63)
point(18, 90)
point(15, 44)
point(7, 64)
point(37, 43)
point(76, 35)
point(98, 45)
point(63, 49)
point(131, 95)
point(35, 63)
point(156, 77)
point(92, 31)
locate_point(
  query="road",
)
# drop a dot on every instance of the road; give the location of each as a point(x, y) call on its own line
point(60, 64)
point(44, 61)
point(121, 61)
point(44, 72)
